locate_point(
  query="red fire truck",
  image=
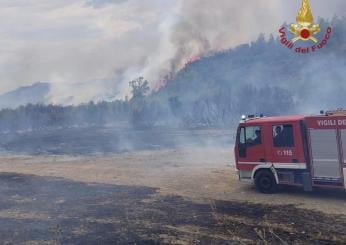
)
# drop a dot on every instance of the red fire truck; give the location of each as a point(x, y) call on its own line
point(305, 151)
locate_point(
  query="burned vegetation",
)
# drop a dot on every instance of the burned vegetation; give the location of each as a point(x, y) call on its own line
point(47, 210)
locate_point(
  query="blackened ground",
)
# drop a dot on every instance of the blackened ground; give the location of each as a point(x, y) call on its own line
point(48, 210)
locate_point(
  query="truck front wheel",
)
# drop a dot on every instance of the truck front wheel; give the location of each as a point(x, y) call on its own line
point(265, 182)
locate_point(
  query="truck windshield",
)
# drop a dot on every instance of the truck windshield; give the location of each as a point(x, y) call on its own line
point(250, 136)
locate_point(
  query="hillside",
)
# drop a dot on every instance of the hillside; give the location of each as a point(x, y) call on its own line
point(58, 93)
point(261, 77)
point(33, 94)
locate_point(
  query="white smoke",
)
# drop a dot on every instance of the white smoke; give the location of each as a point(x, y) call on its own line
point(103, 44)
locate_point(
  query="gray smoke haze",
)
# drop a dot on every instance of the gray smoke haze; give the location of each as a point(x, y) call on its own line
point(90, 49)
point(205, 27)
point(324, 85)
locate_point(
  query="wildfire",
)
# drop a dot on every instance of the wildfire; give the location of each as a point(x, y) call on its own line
point(193, 59)
point(163, 81)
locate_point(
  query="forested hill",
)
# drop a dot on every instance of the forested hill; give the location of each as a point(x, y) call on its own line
point(262, 77)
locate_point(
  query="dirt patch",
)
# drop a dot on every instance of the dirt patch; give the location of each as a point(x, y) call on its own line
point(48, 210)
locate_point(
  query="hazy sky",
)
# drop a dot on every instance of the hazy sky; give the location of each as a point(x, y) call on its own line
point(112, 41)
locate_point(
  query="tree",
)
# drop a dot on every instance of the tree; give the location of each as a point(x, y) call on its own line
point(140, 88)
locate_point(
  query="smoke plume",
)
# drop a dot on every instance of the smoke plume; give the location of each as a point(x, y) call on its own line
point(103, 44)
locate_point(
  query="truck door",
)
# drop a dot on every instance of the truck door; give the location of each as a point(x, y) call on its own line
point(251, 148)
point(286, 146)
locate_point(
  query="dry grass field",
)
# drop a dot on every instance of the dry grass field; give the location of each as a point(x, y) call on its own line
point(179, 196)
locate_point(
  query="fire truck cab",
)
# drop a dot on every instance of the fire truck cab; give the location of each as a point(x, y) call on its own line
point(305, 151)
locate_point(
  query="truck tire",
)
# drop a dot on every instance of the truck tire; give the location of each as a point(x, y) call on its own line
point(265, 182)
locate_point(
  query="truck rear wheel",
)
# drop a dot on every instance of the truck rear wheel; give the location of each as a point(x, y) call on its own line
point(265, 182)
